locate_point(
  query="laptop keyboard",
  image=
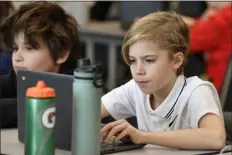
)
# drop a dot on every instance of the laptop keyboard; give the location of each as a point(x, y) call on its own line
point(109, 147)
point(105, 145)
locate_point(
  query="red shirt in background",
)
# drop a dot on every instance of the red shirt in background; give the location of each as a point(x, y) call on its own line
point(214, 37)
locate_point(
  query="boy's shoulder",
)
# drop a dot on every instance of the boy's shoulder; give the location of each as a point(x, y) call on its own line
point(8, 100)
point(195, 85)
point(196, 81)
point(199, 96)
point(8, 85)
point(6, 78)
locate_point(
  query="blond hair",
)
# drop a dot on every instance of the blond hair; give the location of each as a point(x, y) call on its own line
point(166, 29)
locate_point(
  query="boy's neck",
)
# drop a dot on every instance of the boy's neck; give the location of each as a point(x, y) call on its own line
point(56, 69)
point(161, 95)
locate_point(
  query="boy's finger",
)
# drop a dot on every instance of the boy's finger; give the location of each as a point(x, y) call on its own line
point(117, 129)
point(105, 129)
point(111, 125)
point(121, 135)
point(103, 137)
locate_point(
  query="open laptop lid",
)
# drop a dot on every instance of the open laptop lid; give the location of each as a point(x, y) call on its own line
point(63, 101)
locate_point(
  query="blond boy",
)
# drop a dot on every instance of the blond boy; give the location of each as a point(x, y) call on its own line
point(171, 110)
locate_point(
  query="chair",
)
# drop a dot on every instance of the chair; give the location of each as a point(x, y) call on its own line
point(226, 100)
point(226, 91)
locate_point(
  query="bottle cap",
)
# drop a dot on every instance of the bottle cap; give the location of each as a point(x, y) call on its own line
point(85, 62)
point(84, 66)
point(40, 91)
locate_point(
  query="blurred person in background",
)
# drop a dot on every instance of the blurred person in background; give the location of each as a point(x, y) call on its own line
point(99, 10)
point(212, 34)
point(6, 7)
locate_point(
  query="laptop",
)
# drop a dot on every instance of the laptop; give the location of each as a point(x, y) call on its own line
point(129, 10)
point(63, 101)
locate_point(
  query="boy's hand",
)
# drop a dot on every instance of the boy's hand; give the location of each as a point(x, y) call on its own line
point(120, 129)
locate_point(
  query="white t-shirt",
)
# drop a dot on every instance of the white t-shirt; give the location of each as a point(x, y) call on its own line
point(188, 101)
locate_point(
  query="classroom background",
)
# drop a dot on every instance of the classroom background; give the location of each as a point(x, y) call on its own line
point(103, 25)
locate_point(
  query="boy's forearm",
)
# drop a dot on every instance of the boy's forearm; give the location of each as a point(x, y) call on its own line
point(186, 139)
point(104, 112)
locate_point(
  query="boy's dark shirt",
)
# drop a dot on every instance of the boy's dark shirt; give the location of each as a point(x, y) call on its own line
point(8, 99)
point(8, 86)
point(5, 62)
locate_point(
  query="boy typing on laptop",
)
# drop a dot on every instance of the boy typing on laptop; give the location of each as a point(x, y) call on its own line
point(171, 110)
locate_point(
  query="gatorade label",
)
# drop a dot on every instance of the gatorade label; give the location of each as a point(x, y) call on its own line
point(48, 117)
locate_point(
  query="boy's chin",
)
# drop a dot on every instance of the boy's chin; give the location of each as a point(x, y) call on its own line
point(146, 91)
point(17, 70)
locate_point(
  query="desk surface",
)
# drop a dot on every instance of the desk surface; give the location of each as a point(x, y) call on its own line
point(11, 146)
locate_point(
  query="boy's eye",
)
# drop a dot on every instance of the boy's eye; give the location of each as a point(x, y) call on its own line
point(29, 48)
point(14, 49)
point(132, 62)
point(149, 60)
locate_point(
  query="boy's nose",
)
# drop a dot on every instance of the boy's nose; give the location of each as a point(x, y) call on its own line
point(140, 69)
point(17, 56)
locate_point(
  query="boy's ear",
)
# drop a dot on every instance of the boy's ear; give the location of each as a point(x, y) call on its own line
point(63, 57)
point(178, 60)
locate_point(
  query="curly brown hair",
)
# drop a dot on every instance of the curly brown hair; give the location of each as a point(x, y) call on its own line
point(47, 21)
